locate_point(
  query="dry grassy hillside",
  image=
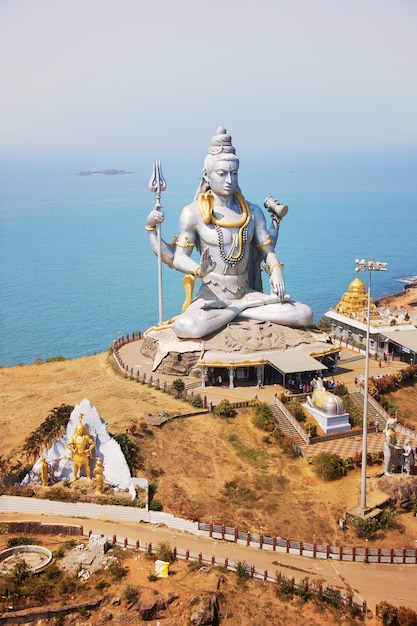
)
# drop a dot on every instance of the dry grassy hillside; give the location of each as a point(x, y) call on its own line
point(200, 466)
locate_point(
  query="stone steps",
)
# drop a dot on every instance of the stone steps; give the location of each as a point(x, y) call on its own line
point(286, 427)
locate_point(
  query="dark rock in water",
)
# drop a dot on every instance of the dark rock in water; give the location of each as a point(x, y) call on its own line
point(110, 172)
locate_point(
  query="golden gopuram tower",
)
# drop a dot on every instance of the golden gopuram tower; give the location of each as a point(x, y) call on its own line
point(354, 302)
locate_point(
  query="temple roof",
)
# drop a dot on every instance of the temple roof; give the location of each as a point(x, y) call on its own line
point(354, 302)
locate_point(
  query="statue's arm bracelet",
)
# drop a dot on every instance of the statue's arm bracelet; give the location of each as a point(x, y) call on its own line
point(280, 265)
point(196, 274)
point(150, 228)
point(265, 243)
point(187, 243)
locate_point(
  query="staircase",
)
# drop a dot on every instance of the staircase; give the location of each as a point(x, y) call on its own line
point(286, 427)
point(374, 416)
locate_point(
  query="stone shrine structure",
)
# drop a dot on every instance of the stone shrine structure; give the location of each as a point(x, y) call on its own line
point(86, 424)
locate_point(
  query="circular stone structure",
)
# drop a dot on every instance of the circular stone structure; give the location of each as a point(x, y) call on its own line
point(35, 557)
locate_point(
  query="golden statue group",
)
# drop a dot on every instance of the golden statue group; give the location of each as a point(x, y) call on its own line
point(85, 452)
point(81, 446)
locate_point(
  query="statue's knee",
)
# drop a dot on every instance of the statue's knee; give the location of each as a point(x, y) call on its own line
point(186, 328)
point(306, 315)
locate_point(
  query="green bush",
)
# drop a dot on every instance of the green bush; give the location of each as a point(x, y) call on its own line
point(130, 451)
point(155, 505)
point(179, 386)
point(48, 432)
point(302, 590)
point(311, 428)
point(164, 552)
point(117, 571)
point(328, 466)
point(284, 588)
point(52, 572)
point(242, 573)
point(131, 594)
point(287, 444)
point(263, 417)
point(101, 584)
point(197, 401)
point(22, 540)
point(224, 409)
point(406, 616)
point(296, 409)
point(387, 613)
point(367, 528)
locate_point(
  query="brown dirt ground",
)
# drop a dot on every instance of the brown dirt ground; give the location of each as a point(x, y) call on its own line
point(248, 482)
point(253, 602)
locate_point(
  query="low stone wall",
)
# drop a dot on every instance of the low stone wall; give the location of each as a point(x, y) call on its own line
point(30, 615)
point(37, 528)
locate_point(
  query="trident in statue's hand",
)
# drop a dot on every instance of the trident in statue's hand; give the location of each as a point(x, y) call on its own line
point(157, 184)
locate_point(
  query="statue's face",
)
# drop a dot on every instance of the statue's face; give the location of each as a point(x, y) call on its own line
point(223, 177)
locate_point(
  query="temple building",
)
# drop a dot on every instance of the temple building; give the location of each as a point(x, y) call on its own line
point(391, 331)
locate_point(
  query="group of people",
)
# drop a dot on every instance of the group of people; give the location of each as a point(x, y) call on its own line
point(400, 457)
point(304, 386)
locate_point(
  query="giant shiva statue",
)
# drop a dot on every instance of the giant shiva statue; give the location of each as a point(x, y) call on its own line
point(232, 239)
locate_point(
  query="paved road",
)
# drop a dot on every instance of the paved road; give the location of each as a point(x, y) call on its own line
point(371, 582)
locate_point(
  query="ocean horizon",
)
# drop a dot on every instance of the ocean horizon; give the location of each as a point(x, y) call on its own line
point(77, 270)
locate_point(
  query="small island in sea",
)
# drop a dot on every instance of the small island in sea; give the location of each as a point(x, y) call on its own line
point(110, 172)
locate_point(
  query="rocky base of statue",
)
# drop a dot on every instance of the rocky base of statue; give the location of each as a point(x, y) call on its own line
point(237, 341)
point(400, 488)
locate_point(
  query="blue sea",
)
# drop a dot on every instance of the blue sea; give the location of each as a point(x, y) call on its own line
point(76, 269)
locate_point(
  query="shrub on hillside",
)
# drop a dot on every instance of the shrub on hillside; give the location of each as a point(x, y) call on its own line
point(311, 429)
point(224, 409)
point(286, 443)
point(296, 409)
point(179, 387)
point(130, 450)
point(387, 613)
point(263, 417)
point(197, 401)
point(51, 429)
point(328, 466)
point(164, 552)
point(406, 616)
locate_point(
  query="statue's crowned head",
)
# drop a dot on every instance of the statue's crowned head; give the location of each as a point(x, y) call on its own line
point(221, 149)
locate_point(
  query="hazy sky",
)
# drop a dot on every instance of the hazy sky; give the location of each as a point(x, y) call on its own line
point(143, 74)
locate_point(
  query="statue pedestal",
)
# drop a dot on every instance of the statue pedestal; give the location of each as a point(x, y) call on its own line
point(329, 424)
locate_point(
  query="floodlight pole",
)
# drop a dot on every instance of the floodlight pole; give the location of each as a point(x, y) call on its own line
point(370, 266)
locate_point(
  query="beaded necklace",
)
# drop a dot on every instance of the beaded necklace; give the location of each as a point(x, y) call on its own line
point(206, 203)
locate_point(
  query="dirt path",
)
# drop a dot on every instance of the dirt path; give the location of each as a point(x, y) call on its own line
point(370, 582)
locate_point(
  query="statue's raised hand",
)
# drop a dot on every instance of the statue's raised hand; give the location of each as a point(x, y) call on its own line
point(155, 217)
point(207, 263)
